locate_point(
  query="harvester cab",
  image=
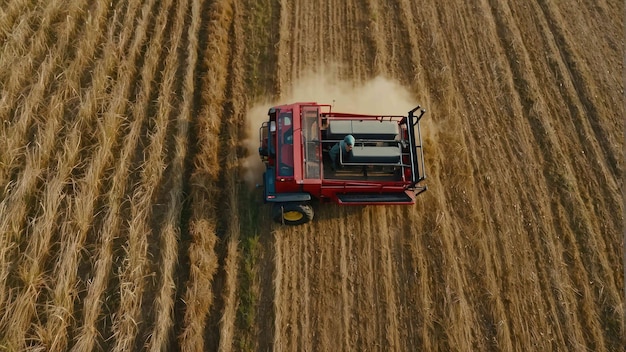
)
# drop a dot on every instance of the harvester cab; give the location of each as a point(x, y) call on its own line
point(384, 167)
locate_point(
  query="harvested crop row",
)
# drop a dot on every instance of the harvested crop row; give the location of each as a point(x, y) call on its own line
point(88, 335)
point(136, 266)
point(81, 208)
point(205, 177)
point(233, 117)
point(170, 232)
point(10, 14)
point(26, 183)
point(22, 110)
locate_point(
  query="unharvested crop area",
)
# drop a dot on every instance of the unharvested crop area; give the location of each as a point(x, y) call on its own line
point(126, 224)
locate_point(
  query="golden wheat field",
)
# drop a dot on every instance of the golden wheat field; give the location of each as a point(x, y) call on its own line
point(128, 132)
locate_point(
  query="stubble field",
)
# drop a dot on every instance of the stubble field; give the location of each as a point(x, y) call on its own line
point(127, 137)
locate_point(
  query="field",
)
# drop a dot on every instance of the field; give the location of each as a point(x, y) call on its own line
point(127, 154)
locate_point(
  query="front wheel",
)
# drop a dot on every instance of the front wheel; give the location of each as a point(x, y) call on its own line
point(292, 213)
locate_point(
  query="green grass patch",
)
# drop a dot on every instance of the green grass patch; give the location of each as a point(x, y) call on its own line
point(248, 275)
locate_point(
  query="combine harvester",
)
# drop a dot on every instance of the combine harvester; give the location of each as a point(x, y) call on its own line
point(385, 165)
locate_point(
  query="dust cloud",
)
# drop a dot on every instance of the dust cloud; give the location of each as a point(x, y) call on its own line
point(380, 95)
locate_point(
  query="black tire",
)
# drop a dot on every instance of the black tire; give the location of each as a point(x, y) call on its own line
point(292, 213)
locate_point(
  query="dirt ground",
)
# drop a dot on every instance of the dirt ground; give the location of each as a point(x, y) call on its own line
point(128, 139)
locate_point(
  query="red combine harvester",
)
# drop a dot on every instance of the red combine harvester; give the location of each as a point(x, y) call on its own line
point(385, 165)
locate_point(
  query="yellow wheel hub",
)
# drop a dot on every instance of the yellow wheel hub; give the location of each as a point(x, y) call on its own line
point(292, 215)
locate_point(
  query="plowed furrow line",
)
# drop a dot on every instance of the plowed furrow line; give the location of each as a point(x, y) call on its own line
point(303, 37)
point(87, 334)
point(261, 53)
point(407, 19)
point(17, 44)
point(297, 338)
point(282, 294)
point(366, 64)
point(433, 52)
point(574, 82)
point(509, 144)
point(332, 330)
point(42, 235)
point(546, 302)
point(310, 44)
point(453, 321)
point(399, 278)
point(298, 38)
point(264, 278)
point(346, 52)
point(331, 39)
point(492, 266)
point(64, 292)
point(411, 271)
point(425, 268)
